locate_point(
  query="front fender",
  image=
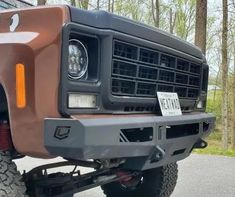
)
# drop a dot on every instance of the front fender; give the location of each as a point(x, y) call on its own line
point(36, 43)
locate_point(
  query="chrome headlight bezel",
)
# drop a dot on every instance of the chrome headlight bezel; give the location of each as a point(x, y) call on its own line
point(84, 55)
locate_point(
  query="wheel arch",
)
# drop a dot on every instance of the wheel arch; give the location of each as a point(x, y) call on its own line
point(6, 141)
point(4, 109)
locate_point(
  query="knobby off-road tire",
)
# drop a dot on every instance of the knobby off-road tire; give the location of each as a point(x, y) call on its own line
point(158, 182)
point(11, 182)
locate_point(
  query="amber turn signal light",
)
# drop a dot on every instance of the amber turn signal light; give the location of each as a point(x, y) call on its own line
point(20, 86)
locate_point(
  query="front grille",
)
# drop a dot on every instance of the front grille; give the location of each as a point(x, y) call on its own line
point(140, 72)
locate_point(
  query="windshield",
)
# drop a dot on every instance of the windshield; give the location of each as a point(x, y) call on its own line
point(10, 4)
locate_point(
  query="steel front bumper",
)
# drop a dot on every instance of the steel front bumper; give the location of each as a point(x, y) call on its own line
point(146, 141)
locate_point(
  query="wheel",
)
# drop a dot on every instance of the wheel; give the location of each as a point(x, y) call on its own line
point(158, 182)
point(11, 182)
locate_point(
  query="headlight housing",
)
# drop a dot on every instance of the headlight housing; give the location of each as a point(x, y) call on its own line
point(77, 60)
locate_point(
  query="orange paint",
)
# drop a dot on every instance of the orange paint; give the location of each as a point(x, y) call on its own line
point(20, 86)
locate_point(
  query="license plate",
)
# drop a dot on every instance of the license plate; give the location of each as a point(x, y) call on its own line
point(169, 104)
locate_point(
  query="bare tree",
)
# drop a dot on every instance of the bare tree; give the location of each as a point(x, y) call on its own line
point(41, 2)
point(233, 106)
point(111, 6)
point(73, 3)
point(232, 33)
point(156, 12)
point(201, 25)
point(225, 75)
point(98, 4)
point(84, 4)
point(172, 20)
point(233, 83)
point(185, 18)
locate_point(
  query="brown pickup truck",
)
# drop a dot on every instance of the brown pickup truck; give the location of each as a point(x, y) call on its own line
point(100, 91)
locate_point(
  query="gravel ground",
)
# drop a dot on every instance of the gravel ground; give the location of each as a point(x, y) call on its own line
point(199, 176)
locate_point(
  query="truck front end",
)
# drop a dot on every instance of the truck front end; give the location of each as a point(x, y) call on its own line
point(101, 91)
point(112, 70)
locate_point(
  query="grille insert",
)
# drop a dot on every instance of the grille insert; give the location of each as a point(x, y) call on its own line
point(146, 89)
point(166, 76)
point(182, 65)
point(125, 50)
point(182, 92)
point(141, 72)
point(180, 78)
point(195, 81)
point(123, 86)
point(124, 69)
point(192, 93)
point(194, 68)
point(167, 61)
point(148, 73)
point(165, 88)
point(148, 56)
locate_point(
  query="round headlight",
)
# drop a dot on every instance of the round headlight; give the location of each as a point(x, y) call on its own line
point(78, 59)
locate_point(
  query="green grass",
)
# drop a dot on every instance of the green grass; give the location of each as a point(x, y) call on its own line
point(215, 145)
point(215, 148)
point(215, 139)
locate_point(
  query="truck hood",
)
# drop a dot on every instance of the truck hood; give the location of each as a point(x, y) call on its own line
point(105, 20)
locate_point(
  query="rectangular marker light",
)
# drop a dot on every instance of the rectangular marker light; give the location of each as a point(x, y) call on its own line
point(20, 86)
point(82, 101)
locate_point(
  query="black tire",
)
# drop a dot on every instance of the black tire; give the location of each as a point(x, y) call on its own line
point(11, 182)
point(158, 182)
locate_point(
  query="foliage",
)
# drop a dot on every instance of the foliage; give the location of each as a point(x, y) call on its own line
point(215, 150)
point(214, 101)
point(215, 145)
point(133, 9)
point(185, 18)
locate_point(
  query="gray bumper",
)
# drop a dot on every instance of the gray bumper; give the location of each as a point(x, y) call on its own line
point(135, 138)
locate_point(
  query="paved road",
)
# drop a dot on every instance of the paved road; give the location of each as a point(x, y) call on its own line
point(199, 176)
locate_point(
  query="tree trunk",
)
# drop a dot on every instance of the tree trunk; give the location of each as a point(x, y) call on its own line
point(73, 3)
point(156, 12)
point(201, 25)
point(172, 20)
point(42, 2)
point(109, 5)
point(225, 75)
point(233, 106)
point(112, 6)
point(98, 5)
point(84, 4)
point(233, 98)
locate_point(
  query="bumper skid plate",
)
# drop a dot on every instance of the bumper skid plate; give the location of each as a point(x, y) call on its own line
point(146, 141)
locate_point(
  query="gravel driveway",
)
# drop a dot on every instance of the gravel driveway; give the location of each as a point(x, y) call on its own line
point(199, 176)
